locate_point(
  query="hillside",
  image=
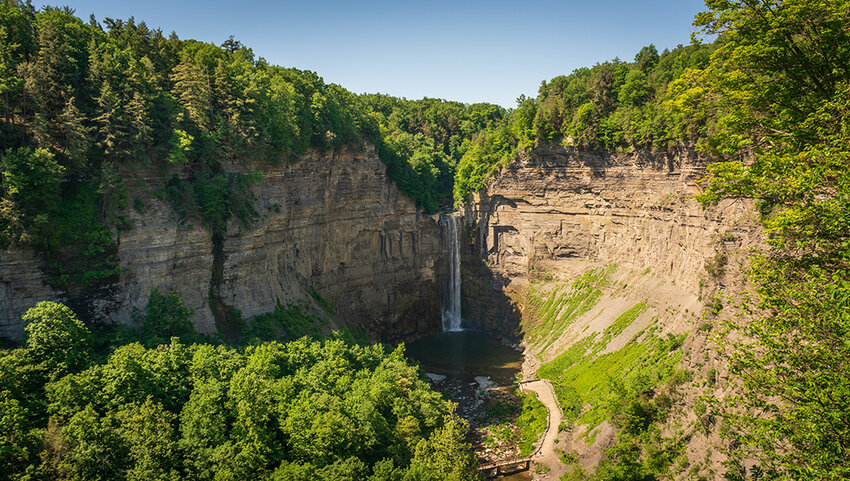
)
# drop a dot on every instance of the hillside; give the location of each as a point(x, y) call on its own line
point(187, 228)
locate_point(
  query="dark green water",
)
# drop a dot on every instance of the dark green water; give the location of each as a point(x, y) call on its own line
point(463, 356)
point(466, 354)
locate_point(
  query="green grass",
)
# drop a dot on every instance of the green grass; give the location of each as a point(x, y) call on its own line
point(623, 321)
point(328, 306)
point(581, 376)
point(532, 422)
point(555, 308)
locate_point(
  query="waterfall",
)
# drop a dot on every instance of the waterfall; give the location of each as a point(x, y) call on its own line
point(451, 301)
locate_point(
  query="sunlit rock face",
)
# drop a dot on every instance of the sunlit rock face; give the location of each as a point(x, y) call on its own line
point(333, 222)
point(560, 208)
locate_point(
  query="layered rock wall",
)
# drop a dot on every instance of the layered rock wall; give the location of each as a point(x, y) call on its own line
point(337, 225)
point(559, 205)
point(331, 223)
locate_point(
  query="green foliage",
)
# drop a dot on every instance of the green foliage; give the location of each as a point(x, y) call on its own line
point(55, 339)
point(215, 198)
point(165, 317)
point(65, 221)
point(444, 455)
point(81, 249)
point(423, 141)
point(492, 148)
point(716, 265)
point(554, 306)
point(288, 322)
point(532, 421)
point(640, 451)
point(583, 375)
point(19, 441)
point(623, 321)
point(613, 105)
point(30, 182)
point(517, 421)
point(780, 85)
point(83, 104)
point(302, 410)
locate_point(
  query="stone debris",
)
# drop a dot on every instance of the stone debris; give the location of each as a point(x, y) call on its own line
point(484, 383)
point(435, 377)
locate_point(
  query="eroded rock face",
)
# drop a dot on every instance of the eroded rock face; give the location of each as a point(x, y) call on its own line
point(21, 287)
point(558, 205)
point(331, 222)
point(337, 225)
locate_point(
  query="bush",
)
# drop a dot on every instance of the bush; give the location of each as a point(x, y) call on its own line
point(166, 316)
point(55, 339)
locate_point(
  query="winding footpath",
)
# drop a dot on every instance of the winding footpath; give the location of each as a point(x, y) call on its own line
point(545, 453)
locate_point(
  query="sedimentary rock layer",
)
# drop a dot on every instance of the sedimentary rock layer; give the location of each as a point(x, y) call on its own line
point(331, 222)
point(558, 204)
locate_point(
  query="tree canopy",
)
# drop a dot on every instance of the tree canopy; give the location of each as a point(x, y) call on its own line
point(780, 82)
point(84, 103)
point(614, 105)
point(307, 409)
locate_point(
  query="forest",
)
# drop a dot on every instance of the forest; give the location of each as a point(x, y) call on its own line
point(72, 408)
point(84, 101)
point(764, 87)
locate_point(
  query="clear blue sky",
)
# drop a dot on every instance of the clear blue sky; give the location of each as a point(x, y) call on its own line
point(466, 50)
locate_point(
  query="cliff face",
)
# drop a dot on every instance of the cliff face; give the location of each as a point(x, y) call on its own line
point(560, 207)
point(21, 286)
point(569, 249)
point(331, 222)
point(337, 225)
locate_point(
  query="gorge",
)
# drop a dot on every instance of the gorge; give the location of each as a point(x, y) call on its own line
point(332, 223)
point(217, 268)
point(452, 320)
point(541, 224)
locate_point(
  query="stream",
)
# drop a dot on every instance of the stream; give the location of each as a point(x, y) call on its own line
point(474, 369)
point(469, 367)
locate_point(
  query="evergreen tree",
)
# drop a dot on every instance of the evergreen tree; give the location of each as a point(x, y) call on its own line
point(192, 89)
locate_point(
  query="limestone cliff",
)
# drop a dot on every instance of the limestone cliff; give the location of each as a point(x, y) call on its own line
point(610, 255)
point(335, 223)
point(558, 207)
point(331, 222)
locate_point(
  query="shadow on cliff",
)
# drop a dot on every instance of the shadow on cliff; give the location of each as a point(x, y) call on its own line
point(484, 303)
point(599, 161)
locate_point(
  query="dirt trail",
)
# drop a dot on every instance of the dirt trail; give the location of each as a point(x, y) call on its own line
point(546, 454)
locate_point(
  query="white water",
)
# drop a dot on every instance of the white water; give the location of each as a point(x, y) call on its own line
point(451, 302)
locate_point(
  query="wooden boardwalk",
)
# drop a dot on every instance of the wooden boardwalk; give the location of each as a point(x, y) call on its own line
point(494, 470)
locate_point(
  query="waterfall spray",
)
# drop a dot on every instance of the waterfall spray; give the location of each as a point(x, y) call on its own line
point(451, 302)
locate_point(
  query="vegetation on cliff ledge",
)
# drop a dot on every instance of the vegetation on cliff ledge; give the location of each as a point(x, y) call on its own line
point(84, 102)
point(771, 94)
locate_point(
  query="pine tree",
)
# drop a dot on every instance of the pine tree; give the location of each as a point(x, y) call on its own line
point(192, 89)
point(46, 85)
point(76, 135)
point(114, 125)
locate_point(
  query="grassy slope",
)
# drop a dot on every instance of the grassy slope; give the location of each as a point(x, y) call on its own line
point(589, 372)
